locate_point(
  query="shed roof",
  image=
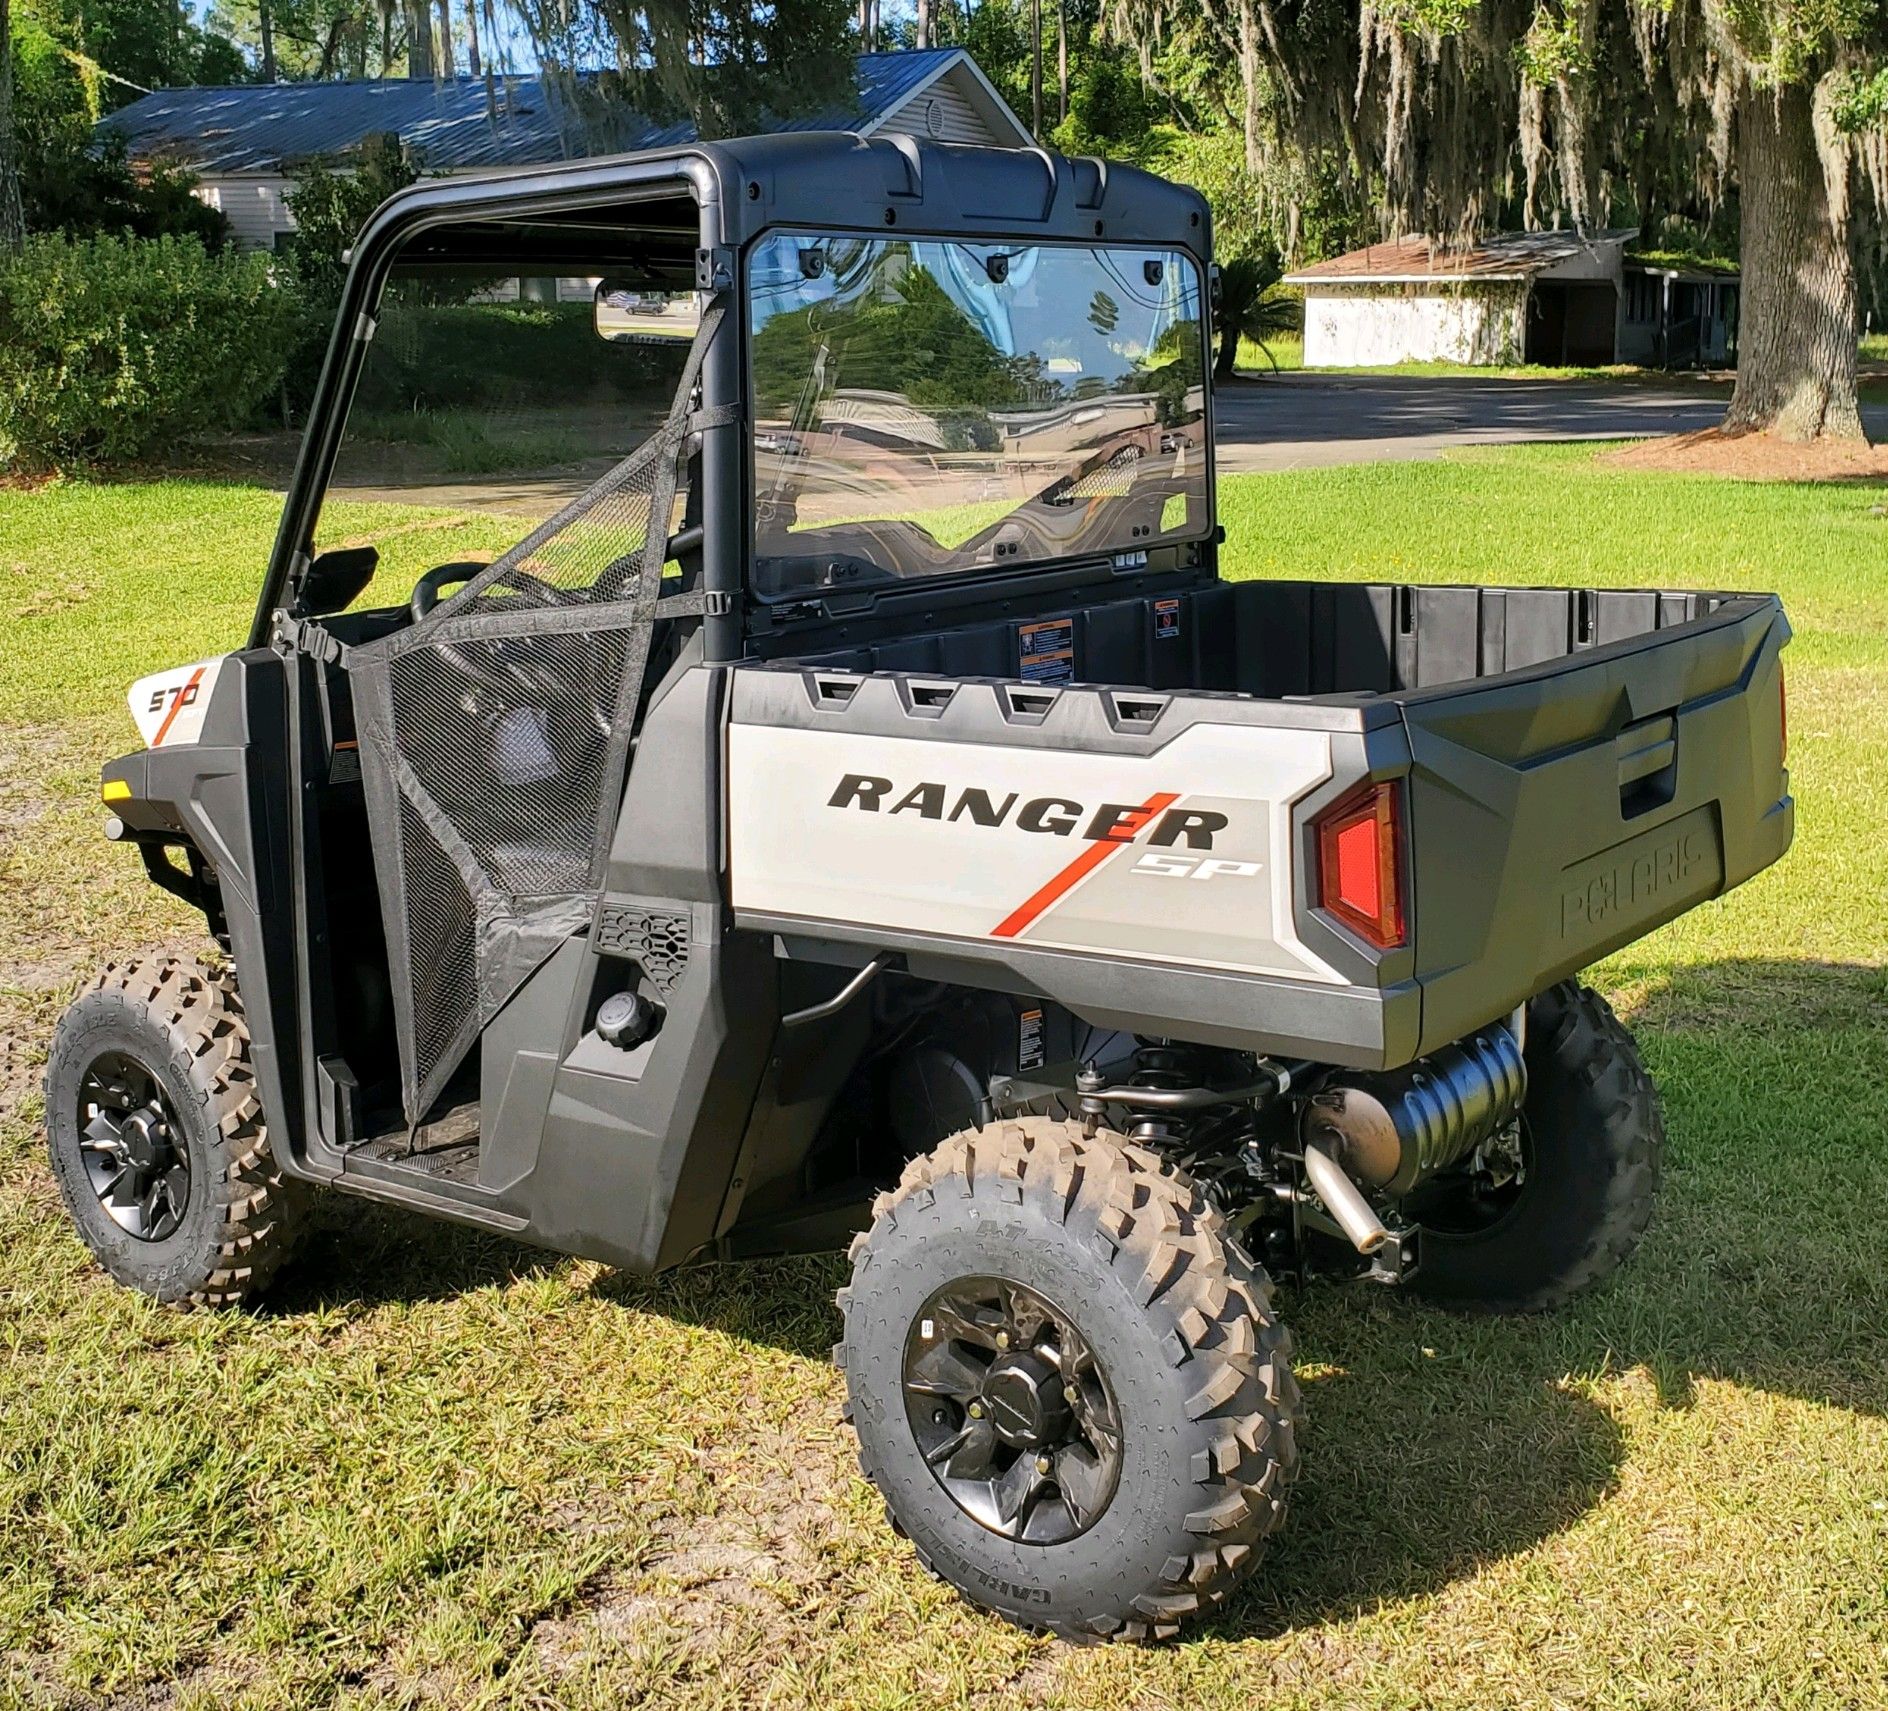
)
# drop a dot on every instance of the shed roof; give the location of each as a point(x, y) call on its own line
point(1684, 267)
point(449, 124)
point(1415, 260)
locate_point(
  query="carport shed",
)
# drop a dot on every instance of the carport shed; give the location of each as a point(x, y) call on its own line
point(1536, 297)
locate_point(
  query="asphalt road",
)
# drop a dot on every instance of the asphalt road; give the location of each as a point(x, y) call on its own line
point(1287, 421)
point(1306, 421)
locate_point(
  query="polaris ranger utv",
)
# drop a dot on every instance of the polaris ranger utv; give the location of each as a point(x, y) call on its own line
point(857, 809)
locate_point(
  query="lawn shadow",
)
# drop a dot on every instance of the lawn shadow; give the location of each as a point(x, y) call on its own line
point(363, 1254)
point(1440, 1442)
point(786, 1304)
point(1423, 1462)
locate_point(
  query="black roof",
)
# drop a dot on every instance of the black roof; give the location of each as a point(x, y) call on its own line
point(832, 179)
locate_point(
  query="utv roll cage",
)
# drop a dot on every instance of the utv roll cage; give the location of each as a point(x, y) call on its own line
point(684, 216)
point(696, 209)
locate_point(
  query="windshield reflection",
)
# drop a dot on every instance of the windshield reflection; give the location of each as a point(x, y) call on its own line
point(924, 407)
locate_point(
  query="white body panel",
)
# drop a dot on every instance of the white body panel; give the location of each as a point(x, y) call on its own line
point(168, 706)
point(1179, 856)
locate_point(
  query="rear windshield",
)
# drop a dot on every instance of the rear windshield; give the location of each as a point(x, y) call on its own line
point(928, 407)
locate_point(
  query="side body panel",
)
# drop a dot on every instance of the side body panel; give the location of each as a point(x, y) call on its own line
point(223, 785)
point(1127, 854)
point(626, 1154)
point(1182, 854)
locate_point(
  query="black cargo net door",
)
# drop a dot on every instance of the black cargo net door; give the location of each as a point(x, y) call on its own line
point(494, 738)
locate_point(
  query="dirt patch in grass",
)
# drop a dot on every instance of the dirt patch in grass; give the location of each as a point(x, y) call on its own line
point(724, 1581)
point(31, 758)
point(1747, 456)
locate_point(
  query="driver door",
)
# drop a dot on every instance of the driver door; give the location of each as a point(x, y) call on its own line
point(494, 735)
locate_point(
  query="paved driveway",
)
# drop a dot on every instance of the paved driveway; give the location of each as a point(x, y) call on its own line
point(1305, 421)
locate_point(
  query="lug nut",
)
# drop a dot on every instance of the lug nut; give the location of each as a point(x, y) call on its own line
point(1043, 1464)
point(976, 1410)
point(1002, 1339)
point(1070, 1393)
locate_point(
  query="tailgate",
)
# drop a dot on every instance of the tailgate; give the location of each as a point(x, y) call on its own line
point(1560, 812)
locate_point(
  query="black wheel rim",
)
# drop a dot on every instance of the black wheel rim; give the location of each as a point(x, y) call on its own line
point(131, 1147)
point(1011, 1410)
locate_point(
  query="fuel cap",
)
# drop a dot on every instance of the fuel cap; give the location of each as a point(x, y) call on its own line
point(626, 1019)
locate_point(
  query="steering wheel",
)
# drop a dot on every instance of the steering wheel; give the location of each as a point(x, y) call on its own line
point(428, 590)
point(505, 667)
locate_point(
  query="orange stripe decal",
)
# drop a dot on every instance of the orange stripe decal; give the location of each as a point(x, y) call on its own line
point(177, 705)
point(1082, 866)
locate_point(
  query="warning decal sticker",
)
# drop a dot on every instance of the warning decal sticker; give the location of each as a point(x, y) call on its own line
point(1047, 650)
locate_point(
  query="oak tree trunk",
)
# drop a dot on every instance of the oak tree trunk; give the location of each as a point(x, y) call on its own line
point(419, 39)
point(266, 23)
point(1797, 313)
point(1252, 109)
point(445, 39)
point(12, 220)
point(331, 47)
point(472, 63)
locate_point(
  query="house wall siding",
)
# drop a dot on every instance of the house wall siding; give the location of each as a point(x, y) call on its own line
point(942, 112)
point(253, 203)
point(1357, 326)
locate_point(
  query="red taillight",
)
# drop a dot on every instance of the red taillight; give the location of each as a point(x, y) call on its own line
point(1360, 860)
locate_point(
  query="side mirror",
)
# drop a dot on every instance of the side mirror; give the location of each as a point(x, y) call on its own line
point(628, 313)
point(335, 580)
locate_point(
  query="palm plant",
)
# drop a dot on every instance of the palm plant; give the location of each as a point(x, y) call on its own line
point(1250, 308)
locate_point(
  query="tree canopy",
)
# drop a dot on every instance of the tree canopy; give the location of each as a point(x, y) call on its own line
point(1312, 125)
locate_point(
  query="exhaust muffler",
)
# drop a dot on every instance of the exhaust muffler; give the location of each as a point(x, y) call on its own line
point(1389, 1131)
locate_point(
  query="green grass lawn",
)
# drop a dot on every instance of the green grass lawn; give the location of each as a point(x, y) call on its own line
point(437, 1469)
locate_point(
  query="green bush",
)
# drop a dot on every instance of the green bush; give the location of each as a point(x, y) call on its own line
point(75, 180)
point(113, 349)
point(329, 209)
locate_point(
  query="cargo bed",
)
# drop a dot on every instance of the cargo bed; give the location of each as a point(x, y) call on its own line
point(1577, 767)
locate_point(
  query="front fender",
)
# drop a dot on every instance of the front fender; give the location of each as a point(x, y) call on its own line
point(223, 798)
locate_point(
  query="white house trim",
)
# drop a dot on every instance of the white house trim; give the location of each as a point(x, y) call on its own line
point(961, 69)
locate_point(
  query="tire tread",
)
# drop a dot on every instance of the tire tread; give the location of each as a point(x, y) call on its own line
point(198, 1010)
point(1176, 1257)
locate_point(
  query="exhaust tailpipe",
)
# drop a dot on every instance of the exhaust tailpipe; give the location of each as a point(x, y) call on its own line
point(1344, 1200)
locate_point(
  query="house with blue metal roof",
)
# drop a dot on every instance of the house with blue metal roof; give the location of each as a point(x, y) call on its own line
point(246, 143)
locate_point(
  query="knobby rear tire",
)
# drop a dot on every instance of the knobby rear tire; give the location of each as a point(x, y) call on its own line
point(1176, 1313)
point(1596, 1143)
